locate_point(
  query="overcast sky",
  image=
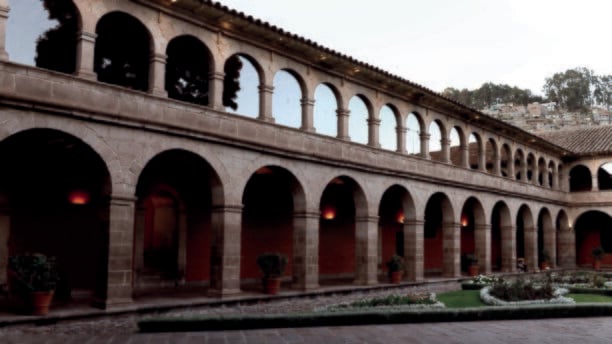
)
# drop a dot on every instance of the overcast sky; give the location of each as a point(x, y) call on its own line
point(458, 43)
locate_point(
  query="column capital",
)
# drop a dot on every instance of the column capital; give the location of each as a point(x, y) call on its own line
point(307, 102)
point(374, 121)
point(265, 88)
point(342, 112)
point(233, 208)
point(87, 36)
point(307, 215)
point(216, 76)
point(414, 223)
point(367, 218)
point(424, 136)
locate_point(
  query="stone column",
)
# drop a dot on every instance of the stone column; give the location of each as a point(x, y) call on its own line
point(306, 250)
point(531, 248)
point(482, 157)
point(215, 91)
point(425, 145)
point(373, 132)
point(225, 250)
point(265, 103)
point(451, 244)
point(550, 245)
point(366, 250)
point(343, 117)
point(496, 164)
point(157, 74)
point(510, 168)
point(567, 249)
point(545, 178)
point(5, 231)
point(413, 250)
point(445, 146)
point(465, 156)
point(595, 182)
point(86, 44)
point(139, 222)
point(119, 268)
point(482, 240)
point(508, 248)
point(307, 114)
point(523, 168)
point(401, 139)
point(555, 179)
point(4, 14)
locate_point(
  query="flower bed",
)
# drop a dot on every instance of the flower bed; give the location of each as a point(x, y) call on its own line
point(557, 299)
point(410, 301)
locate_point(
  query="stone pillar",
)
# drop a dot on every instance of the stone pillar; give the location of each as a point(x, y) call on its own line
point(545, 179)
point(482, 240)
point(215, 91)
point(414, 250)
point(225, 250)
point(508, 248)
point(451, 244)
point(265, 103)
point(4, 14)
point(445, 146)
point(482, 157)
point(307, 115)
point(531, 248)
point(555, 179)
point(343, 117)
point(425, 145)
point(550, 245)
point(139, 222)
point(401, 139)
point(567, 249)
point(510, 168)
point(595, 182)
point(119, 268)
point(465, 156)
point(5, 231)
point(157, 74)
point(523, 168)
point(496, 164)
point(366, 250)
point(373, 132)
point(86, 44)
point(306, 250)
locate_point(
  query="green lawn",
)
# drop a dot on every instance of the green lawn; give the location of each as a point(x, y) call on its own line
point(471, 298)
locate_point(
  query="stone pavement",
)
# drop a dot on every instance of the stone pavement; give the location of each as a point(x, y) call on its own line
point(572, 330)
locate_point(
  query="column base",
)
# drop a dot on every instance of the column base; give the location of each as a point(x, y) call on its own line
point(223, 293)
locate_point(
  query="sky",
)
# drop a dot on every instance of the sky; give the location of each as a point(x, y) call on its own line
point(454, 43)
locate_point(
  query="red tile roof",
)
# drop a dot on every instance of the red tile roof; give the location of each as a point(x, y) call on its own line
point(590, 140)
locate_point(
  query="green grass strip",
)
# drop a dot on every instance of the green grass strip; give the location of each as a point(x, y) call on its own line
point(461, 299)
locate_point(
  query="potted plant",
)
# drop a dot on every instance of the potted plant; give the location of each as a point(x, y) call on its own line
point(33, 277)
point(272, 265)
point(598, 254)
point(395, 269)
point(472, 263)
point(545, 256)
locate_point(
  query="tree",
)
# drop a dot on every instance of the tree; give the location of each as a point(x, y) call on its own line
point(571, 89)
point(603, 90)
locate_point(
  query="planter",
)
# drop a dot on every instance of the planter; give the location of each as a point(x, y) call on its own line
point(395, 277)
point(271, 285)
point(544, 266)
point(39, 302)
point(597, 264)
point(473, 270)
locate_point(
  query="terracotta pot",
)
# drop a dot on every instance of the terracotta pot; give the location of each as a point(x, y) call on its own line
point(39, 302)
point(597, 264)
point(395, 277)
point(271, 285)
point(544, 266)
point(473, 270)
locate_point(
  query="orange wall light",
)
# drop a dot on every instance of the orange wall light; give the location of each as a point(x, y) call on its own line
point(329, 213)
point(78, 197)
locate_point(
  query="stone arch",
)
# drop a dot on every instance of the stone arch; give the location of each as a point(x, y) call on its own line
point(520, 169)
point(123, 50)
point(271, 198)
point(389, 122)
point(326, 106)
point(289, 90)
point(547, 240)
point(360, 116)
point(593, 229)
point(542, 172)
point(242, 85)
point(457, 146)
point(54, 45)
point(530, 162)
point(414, 129)
point(473, 237)
point(437, 140)
point(475, 151)
point(56, 186)
point(506, 162)
point(580, 179)
point(526, 241)
point(441, 242)
point(492, 156)
point(503, 239)
point(188, 66)
point(604, 176)
point(343, 207)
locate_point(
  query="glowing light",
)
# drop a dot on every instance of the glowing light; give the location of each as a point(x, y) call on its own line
point(400, 217)
point(78, 197)
point(329, 214)
point(464, 222)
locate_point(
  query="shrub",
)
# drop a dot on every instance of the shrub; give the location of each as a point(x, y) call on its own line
point(521, 290)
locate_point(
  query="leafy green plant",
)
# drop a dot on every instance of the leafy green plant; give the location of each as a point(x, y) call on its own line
point(396, 263)
point(522, 290)
point(272, 264)
point(598, 253)
point(33, 272)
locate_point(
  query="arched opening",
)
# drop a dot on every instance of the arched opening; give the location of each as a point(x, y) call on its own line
point(187, 70)
point(456, 146)
point(526, 241)
point(388, 131)
point(552, 176)
point(122, 51)
point(413, 134)
point(519, 165)
point(502, 256)
point(565, 249)
point(546, 240)
point(54, 196)
point(604, 176)
point(506, 161)
point(358, 125)
point(438, 256)
point(43, 34)
point(325, 111)
point(286, 100)
point(241, 86)
point(436, 138)
point(337, 227)
point(173, 226)
point(271, 197)
point(542, 172)
point(530, 167)
point(580, 179)
point(593, 229)
point(474, 151)
point(473, 238)
point(491, 156)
